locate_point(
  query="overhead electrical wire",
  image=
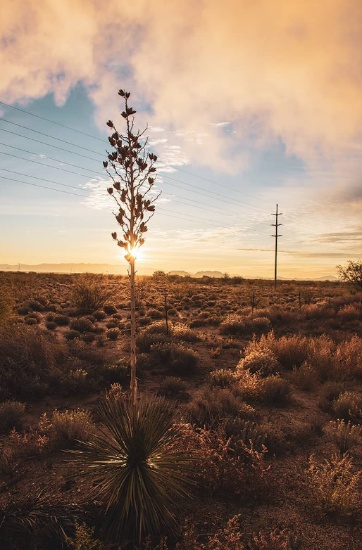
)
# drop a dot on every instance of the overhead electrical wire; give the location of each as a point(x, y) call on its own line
point(49, 120)
point(202, 191)
point(42, 186)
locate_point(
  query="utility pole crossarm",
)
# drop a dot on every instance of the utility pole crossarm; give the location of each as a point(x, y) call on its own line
point(276, 236)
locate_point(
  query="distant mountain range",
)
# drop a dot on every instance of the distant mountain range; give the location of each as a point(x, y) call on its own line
point(122, 270)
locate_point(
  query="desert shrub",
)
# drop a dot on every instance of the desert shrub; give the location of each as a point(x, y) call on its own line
point(29, 361)
point(112, 324)
point(180, 331)
point(273, 540)
point(176, 357)
point(81, 325)
point(349, 312)
point(174, 388)
point(90, 355)
point(305, 378)
point(229, 537)
point(146, 340)
point(88, 337)
point(334, 485)
point(344, 435)
point(6, 306)
point(115, 372)
point(11, 416)
point(50, 325)
point(76, 380)
point(155, 313)
point(99, 315)
point(61, 320)
point(23, 310)
point(261, 362)
point(211, 407)
point(290, 351)
point(349, 358)
point(183, 332)
point(68, 427)
point(84, 538)
point(90, 293)
point(245, 434)
point(72, 334)
point(109, 309)
point(30, 320)
point(275, 390)
point(221, 466)
point(348, 406)
point(249, 385)
point(329, 392)
point(222, 378)
point(321, 357)
point(113, 334)
point(36, 305)
point(235, 325)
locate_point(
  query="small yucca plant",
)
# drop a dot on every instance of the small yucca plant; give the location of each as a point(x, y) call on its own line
point(136, 467)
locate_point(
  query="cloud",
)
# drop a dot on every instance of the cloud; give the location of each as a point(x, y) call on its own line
point(275, 70)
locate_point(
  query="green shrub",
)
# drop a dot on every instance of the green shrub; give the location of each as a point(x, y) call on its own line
point(11, 416)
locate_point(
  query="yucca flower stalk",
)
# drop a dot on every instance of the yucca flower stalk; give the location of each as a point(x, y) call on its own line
point(131, 168)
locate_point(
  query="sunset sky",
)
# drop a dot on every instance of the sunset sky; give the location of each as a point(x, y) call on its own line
point(248, 104)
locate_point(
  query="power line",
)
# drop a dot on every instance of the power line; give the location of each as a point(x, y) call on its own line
point(42, 186)
point(49, 120)
point(42, 179)
point(50, 158)
point(52, 137)
point(47, 144)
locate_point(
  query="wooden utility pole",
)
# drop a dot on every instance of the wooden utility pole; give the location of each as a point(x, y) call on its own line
point(276, 225)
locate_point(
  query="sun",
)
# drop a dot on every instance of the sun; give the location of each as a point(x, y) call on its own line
point(136, 253)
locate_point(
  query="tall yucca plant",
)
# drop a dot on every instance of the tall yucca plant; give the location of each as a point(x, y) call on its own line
point(131, 168)
point(135, 467)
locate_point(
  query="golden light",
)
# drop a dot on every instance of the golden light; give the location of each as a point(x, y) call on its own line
point(136, 253)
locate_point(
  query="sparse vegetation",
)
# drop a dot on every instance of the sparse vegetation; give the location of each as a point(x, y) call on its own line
point(251, 406)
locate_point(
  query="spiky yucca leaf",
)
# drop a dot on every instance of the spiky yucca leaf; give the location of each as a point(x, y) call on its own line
point(40, 514)
point(135, 466)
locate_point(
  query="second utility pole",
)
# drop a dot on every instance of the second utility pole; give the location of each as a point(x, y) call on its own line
point(276, 225)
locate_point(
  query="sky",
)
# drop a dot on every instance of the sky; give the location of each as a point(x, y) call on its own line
point(247, 105)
